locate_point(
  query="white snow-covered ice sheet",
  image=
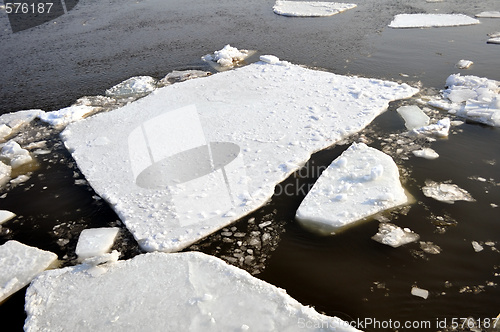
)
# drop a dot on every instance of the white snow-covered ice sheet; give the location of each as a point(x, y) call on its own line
point(310, 8)
point(431, 20)
point(195, 156)
point(361, 182)
point(166, 292)
point(19, 264)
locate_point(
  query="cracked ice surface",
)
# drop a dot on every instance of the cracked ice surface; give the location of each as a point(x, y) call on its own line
point(152, 291)
point(195, 156)
point(361, 182)
point(431, 20)
point(310, 8)
point(19, 264)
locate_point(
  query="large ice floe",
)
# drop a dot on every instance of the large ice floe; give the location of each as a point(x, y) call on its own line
point(474, 98)
point(310, 8)
point(154, 291)
point(195, 156)
point(19, 264)
point(361, 182)
point(431, 20)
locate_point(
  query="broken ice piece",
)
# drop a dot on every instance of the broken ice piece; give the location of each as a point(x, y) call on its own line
point(228, 56)
point(426, 153)
point(95, 241)
point(446, 192)
point(431, 20)
point(5, 171)
point(489, 14)
point(477, 247)
point(19, 264)
point(361, 182)
point(6, 216)
point(464, 64)
point(493, 40)
point(430, 248)
point(191, 289)
point(14, 154)
point(394, 236)
point(181, 76)
point(310, 8)
point(439, 129)
point(111, 257)
point(136, 86)
point(423, 293)
point(65, 116)
point(271, 59)
point(414, 117)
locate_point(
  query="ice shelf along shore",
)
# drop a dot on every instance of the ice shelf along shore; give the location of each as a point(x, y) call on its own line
point(166, 292)
point(310, 8)
point(361, 182)
point(193, 157)
point(19, 264)
point(431, 20)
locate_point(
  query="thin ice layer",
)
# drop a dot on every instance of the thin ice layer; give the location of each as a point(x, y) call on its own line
point(414, 117)
point(431, 20)
point(19, 264)
point(310, 8)
point(361, 182)
point(166, 292)
point(195, 156)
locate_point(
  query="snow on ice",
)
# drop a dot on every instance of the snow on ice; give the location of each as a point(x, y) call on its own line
point(14, 155)
point(65, 116)
point(431, 20)
point(6, 216)
point(227, 57)
point(446, 192)
point(95, 241)
point(310, 8)
point(414, 117)
point(166, 292)
point(474, 98)
point(133, 87)
point(195, 156)
point(19, 264)
point(361, 182)
point(394, 236)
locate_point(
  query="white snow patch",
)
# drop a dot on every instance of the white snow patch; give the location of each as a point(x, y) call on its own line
point(310, 8)
point(394, 236)
point(439, 129)
point(431, 20)
point(136, 86)
point(446, 192)
point(95, 241)
point(165, 292)
point(65, 116)
point(464, 64)
point(19, 264)
point(6, 216)
point(228, 56)
point(414, 117)
point(367, 184)
point(426, 153)
point(14, 154)
point(489, 14)
point(195, 156)
point(423, 293)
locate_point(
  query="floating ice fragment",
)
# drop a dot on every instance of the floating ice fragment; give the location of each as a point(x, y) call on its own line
point(342, 196)
point(136, 86)
point(489, 14)
point(423, 293)
point(477, 247)
point(228, 56)
point(464, 64)
point(5, 171)
point(495, 40)
point(65, 116)
point(19, 264)
point(439, 129)
point(6, 216)
point(190, 289)
point(414, 117)
point(12, 123)
point(431, 20)
point(394, 236)
point(446, 192)
point(95, 241)
point(426, 153)
point(15, 155)
point(430, 248)
point(271, 59)
point(310, 8)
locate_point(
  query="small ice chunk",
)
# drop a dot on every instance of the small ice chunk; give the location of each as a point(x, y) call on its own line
point(181, 76)
point(477, 247)
point(4, 131)
point(439, 129)
point(423, 293)
point(464, 64)
point(6, 216)
point(17, 120)
point(65, 116)
point(271, 59)
point(446, 192)
point(394, 236)
point(95, 241)
point(5, 171)
point(431, 20)
point(14, 154)
point(430, 248)
point(414, 117)
point(495, 40)
point(136, 86)
point(310, 8)
point(19, 264)
point(489, 14)
point(344, 195)
point(426, 153)
point(195, 292)
point(228, 56)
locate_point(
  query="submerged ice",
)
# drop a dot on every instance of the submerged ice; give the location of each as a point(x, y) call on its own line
point(361, 182)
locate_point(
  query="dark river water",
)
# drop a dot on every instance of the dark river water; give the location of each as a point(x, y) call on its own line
point(98, 44)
